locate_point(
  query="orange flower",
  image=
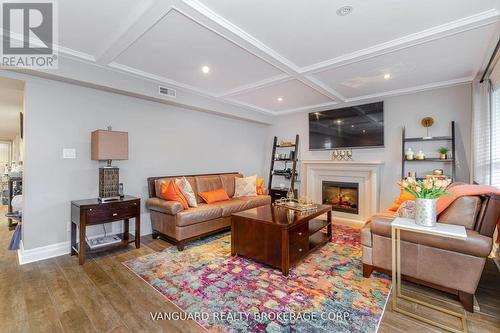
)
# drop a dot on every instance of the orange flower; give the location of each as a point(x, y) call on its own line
point(427, 183)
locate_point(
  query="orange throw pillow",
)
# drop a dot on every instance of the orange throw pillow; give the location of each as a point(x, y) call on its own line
point(403, 196)
point(260, 186)
point(214, 196)
point(171, 192)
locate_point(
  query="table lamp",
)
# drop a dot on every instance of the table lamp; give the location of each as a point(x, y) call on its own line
point(108, 145)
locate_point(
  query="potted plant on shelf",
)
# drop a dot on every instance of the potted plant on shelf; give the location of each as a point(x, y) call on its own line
point(443, 153)
point(426, 193)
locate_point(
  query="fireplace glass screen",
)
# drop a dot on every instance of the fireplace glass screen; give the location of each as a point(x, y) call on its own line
point(342, 196)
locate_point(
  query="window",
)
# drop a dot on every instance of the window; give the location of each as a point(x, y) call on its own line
point(495, 138)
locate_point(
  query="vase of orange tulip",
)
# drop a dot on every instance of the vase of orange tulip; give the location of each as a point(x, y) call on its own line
point(426, 193)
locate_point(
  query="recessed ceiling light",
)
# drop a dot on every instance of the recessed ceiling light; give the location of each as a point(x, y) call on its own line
point(387, 76)
point(344, 11)
point(279, 99)
point(205, 69)
point(352, 125)
point(339, 121)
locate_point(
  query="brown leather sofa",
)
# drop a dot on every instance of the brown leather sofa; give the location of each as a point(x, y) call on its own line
point(178, 225)
point(451, 265)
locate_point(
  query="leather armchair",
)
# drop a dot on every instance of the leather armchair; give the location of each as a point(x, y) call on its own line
point(450, 265)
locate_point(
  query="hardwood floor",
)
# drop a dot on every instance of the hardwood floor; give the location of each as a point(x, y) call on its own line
point(58, 295)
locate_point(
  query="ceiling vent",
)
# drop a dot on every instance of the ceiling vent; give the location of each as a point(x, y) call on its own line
point(165, 91)
point(344, 11)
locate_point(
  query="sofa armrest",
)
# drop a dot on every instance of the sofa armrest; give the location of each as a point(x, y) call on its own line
point(164, 206)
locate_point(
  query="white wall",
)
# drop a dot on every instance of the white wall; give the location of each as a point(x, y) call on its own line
point(163, 140)
point(167, 140)
point(444, 105)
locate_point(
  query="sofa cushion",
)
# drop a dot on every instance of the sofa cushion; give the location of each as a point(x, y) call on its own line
point(163, 206)
point(214, 196)
point(172, 192)
point(228, 182)
point(246, 186)
point(463, 211)
point(252, 202)
point(158, 184)
point(187, 190)
point(198, 214)
point(475, 244)
point(231, 206)
point(206, 184)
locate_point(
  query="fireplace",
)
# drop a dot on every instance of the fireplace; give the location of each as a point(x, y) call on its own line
point(342, 196)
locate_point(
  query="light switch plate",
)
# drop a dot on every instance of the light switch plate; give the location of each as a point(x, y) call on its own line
point(69, 153)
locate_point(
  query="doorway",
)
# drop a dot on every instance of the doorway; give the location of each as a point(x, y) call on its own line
point(11, 159)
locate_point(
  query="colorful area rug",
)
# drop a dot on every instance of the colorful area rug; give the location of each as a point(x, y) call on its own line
point(326, 292)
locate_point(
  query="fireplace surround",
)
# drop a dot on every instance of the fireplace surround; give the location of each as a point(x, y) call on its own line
point(366, 175)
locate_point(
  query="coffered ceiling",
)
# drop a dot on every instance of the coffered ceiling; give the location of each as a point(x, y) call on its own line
point(279, 56)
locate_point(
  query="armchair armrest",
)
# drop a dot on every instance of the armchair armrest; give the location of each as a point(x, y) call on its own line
point(475, 244)
point(164, 206)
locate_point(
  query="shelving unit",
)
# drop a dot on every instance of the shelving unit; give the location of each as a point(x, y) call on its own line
point(450, 162)
point(277, 193)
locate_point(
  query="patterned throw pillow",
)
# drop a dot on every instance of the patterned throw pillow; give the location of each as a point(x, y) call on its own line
point(245, 187)
point(187, 191)
point(407, 209)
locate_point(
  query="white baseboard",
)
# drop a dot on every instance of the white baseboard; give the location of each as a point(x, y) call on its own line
point(41, 253)
point(59, 249)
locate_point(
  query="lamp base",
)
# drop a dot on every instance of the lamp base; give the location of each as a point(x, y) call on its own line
point(109, 183)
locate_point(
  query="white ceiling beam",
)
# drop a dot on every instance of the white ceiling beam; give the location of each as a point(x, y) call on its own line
point(243, 39)
point(136, 25)
point(421, 37)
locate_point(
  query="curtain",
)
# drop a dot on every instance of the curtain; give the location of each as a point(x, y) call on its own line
point(495, 137)
point(481, 132)
point(495, 76)
point(486, 131)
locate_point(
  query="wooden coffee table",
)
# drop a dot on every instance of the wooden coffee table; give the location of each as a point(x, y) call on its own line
point(279, 237)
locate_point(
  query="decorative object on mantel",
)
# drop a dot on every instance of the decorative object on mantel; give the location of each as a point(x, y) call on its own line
point(108, 145)
point(426, 192)
point(427, 122)
point(443, 153)
point(341, 155)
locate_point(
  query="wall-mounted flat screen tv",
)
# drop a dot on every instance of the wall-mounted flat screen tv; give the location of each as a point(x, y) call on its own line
point(360, 126)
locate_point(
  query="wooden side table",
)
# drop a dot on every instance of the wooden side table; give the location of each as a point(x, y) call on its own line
point(92, 211)
point(443, 230)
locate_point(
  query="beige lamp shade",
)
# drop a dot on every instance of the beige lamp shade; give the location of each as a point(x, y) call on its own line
point(109, 145)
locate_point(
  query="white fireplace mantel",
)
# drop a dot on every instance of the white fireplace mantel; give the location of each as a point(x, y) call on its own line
point(367, 174)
